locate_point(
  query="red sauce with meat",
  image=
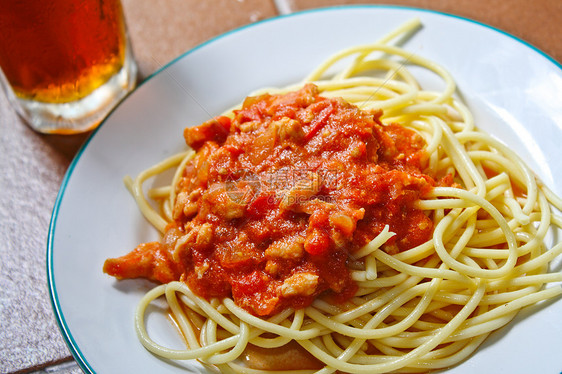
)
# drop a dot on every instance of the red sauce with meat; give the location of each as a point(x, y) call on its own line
point(278, 199)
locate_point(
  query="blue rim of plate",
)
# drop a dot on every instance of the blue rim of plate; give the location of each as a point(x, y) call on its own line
point(65, 330)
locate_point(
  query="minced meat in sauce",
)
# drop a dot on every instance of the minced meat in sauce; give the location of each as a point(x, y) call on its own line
point(278, 198)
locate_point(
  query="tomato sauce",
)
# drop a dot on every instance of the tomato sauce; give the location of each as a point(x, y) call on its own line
point(279, 197)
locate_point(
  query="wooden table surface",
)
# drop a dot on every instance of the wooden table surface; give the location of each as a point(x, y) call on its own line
point(32, 165)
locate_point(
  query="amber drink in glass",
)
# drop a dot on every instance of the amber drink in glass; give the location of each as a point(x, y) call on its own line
point(64, 63)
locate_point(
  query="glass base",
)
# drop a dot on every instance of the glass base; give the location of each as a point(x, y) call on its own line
point(80, 115)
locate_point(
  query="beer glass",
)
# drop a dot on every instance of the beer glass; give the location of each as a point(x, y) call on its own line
point(64, 64)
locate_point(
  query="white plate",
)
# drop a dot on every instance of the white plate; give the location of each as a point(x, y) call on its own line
point(513, 89)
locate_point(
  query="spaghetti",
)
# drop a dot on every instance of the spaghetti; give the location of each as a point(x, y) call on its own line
point(426, 307)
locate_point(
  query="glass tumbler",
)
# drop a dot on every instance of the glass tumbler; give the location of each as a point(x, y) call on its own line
point(64, 64)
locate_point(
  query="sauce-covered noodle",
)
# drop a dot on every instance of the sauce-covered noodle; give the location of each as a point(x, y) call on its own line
point(408, 272)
